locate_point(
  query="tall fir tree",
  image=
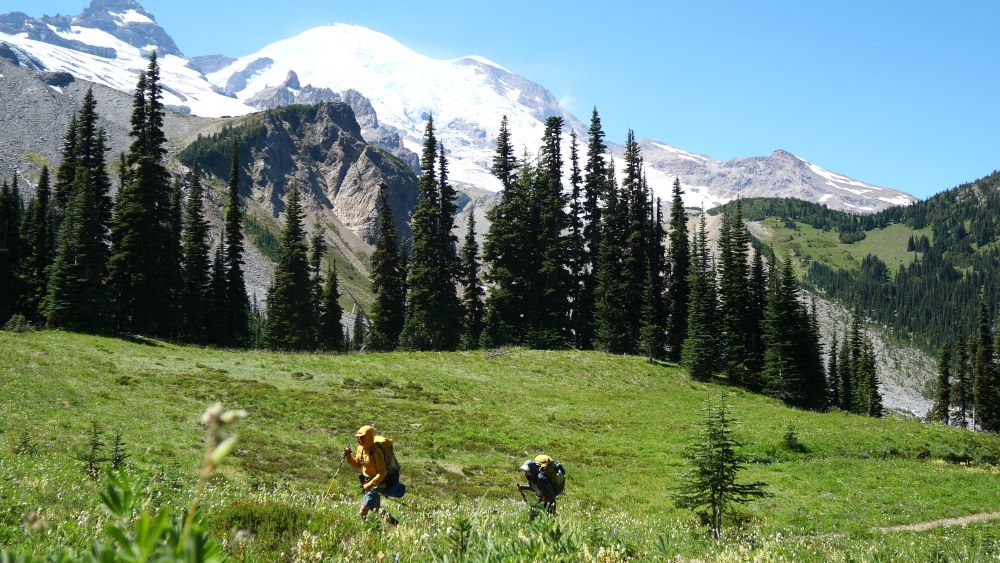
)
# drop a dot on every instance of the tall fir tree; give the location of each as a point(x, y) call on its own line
point(196, 281)
point(447, 241)
point(317, 248)
point(38, 234)
point(985, 389)
point(595, 188)
point(678, 288)
point(388, 279)
point(700, 350)
point(611, 313)
point(66, 171)
point(237, 307)
point(833, 374)
point(655, 315)
point(11, 249)
point(550, 319)
point(941, 411)
point(635, 200)
point(503, 251)
point(433, 318)
point(869, 397)
point(844, 376)
point(576, 250)
point(472, 287)
point(783, 320)
point(758, 302)
point(76, 298)
point(734, 297)
point(811, 361)
point(962, 389)
point(218, 321)
point(331, 328)
point(291, 322)
point(144, 265)
point(79, 299)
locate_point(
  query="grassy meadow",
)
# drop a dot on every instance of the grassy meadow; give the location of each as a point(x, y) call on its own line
point(462, 423)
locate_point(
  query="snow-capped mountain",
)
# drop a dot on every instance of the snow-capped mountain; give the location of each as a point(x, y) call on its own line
point(109, 44)
point(467, 96)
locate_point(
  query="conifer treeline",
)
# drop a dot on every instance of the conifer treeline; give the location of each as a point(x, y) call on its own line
point(587, 267)
point(582, 267)
point(141, 264)
point(968, 385)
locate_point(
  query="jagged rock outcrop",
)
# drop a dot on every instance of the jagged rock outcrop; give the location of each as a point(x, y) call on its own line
point(321, 148)
point(291, 91)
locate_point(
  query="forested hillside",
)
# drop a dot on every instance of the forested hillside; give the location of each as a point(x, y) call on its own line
point(920, 270)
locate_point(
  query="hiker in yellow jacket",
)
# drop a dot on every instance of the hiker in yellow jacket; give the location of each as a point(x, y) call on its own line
point(376, 479)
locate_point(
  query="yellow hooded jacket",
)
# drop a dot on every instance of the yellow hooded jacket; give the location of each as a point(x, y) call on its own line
point(368, 460)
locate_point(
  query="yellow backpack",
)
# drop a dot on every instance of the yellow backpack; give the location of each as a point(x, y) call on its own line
point(553, 470)
point(384, 444)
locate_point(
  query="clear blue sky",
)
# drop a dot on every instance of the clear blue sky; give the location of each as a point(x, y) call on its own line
point(902, 94)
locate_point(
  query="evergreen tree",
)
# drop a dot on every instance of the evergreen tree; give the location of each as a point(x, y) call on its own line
point(783, 320)
point(715, 465)
point(11, 249)
point(218, 321)
point(503, 252)
point(635, 201)
point(758, 302)
point(290, 309)
point(433, 316)
point(360, 328)
point(594, 189)
point(67, 169)
point(654, 313)
point(678, 290)
point(196, 283)
point(76, 298)
point(317, 248)
point(962, 389)
point(472, 286)
point(236, 306)
point(867, 378)
point(985, 389)
point(550, 319)
point(143, 267)
point(833, 374)
point(576, 250)
point(611, 313)
point(811, 361)
point(734, 296)
point(941, 411)
point(331, 327)
point(855, 344)
point(388, 278)
point(447, 240)
point(700, 350)
point(37, 233)
point(845, 377)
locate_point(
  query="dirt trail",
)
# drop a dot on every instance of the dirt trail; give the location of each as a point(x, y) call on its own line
point(944, 522)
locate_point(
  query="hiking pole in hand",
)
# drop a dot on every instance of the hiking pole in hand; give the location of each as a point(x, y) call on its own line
point(333, 480)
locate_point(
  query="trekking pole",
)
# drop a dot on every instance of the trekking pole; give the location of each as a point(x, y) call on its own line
point(397, 501)
point(333, 480)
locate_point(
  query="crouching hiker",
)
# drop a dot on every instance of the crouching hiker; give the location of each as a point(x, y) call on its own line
point(376, 462)
point(546, 478)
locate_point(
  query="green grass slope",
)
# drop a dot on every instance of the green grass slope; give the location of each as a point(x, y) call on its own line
point(462, 423)
point(812, 244)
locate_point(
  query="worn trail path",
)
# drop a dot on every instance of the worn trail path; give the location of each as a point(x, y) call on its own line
point(942, 523)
